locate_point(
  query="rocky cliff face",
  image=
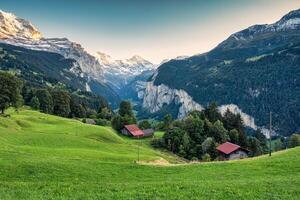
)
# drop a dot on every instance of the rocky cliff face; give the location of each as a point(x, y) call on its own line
point(155, 97)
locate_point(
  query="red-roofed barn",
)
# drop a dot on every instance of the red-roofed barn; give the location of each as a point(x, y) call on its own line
point(230, 151)
point(132, 130)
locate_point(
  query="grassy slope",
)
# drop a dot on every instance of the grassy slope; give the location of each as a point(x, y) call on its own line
point(47, 157)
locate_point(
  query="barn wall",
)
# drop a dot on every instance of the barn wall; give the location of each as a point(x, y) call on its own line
point(238, 155)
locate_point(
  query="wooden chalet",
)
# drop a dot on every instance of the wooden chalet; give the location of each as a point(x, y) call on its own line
point(132, 130)
point(230, 151)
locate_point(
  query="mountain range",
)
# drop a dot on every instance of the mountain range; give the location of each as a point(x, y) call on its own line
point(99, 74)
point(253, 72)
point(120, 73)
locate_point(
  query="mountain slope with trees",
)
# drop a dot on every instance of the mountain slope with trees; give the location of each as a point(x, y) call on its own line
point(257, 69)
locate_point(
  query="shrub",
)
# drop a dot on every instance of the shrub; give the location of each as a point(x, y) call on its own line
point(103, 122)
point(206, 157)
point(294, 140)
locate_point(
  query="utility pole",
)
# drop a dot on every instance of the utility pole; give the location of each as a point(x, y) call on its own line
point(270, 131)
point(138, 149)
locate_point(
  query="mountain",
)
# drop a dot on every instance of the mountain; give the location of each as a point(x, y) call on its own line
point(119, 73)
point(253, 72)
point(12, 26)
point(18, 32)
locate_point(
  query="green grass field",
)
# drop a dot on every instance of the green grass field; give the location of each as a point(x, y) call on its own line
point(48, 157)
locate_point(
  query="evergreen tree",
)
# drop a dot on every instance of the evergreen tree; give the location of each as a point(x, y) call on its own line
point(144, 124)
point(45, 99)
point(76, 109)
point(195, 127)
point(102, 104)
point(116, 122)
point(186, 142)
point(234, 136)
point(35, 103)
point(167, 121)
point(242, 140)
point(262, 139)
point(61, 103)
point(229, 120)
point(212, 113)
point(218, 132)
point(254, 146)
point(10, 89)
point(105, 114)
point(125, 109)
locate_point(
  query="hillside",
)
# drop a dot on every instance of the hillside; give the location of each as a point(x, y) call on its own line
point(248, 69)
point(48, 157)
point(42, 68)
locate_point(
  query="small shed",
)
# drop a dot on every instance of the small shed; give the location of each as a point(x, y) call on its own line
point(132, 130)
point(230, 151)
point(148, 132)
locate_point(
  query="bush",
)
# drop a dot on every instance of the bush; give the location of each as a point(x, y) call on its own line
point(206, 158)
point(294, 140)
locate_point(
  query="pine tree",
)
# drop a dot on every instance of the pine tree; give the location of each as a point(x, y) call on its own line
point(61, 103)
point(125, 109)
point(45, 99)
point(35, 103)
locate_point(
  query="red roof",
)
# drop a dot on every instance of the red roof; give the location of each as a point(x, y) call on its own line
point(134, 130)
point(228, 147)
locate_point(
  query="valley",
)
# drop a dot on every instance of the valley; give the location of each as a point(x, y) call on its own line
point(97, 100)
point(48, 157)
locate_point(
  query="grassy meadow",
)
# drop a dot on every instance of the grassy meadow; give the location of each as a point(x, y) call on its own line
point(48, 157)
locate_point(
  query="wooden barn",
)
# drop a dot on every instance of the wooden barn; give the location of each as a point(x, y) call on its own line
point(132, 130)
point(148, 132)
point(230, 151)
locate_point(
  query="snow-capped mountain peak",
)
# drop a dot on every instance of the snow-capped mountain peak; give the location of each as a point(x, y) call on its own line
point(128, 67)
point(104, 59)
point(20, 32)
point(119, 72)
point(136, 58)
point(12, 26)
point(290, 21)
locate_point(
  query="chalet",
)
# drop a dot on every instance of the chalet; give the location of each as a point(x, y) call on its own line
point(132, 130)
point(90, 121)
point(148, 132)
point(230, 151)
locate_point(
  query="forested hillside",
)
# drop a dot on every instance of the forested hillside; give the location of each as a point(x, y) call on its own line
point(42, 68)
point(257, 69)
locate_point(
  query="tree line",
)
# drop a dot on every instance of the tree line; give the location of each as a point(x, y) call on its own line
point(15, 92)
point(194, 137)
point(197, 136)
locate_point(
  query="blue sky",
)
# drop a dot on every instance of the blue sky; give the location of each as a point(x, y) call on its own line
point(155, 30)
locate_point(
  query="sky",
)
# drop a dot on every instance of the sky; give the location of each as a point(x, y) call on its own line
point(153, 29)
